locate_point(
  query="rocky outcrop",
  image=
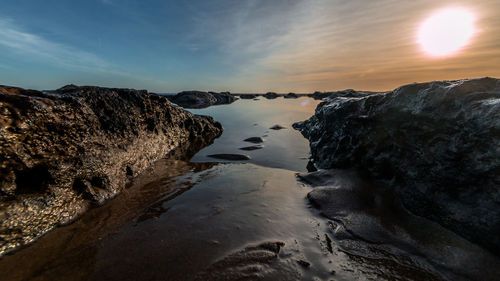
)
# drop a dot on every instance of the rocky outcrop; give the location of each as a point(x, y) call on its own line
point(437, 144)
point(344, 93)
point(197, 99)
point(65, 150)
point(248, 96)
point(270, 95)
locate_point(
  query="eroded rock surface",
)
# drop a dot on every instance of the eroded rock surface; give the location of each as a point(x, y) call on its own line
point(65, 150)
point(437, 144)
point(197, 99)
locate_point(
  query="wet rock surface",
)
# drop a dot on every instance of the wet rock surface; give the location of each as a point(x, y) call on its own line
point(254, 140)
point(252, 147)
point(198, 99)
point(436, 144)
point(234, 157)
point(370, 225)
point(65, 150)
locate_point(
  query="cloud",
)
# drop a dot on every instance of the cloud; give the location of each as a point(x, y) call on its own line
point(34, 46)
point(334, 44)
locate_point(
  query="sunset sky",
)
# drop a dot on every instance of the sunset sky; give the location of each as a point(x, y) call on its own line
point(240, 46)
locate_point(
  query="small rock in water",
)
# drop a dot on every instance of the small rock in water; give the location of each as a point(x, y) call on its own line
point(277, 127)
point(304, 263)
point(235, 157)
point(254, 140)
point(253, 147)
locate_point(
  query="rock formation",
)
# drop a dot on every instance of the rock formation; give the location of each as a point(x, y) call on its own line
point(270, 95)
point(65, 150)
point(437, 144)
point(197, 99)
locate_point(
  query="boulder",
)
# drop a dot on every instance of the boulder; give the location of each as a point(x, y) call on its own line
point(247, 96)
point(271, 95)
point(291, 96)
point(254, 140)
point(437, 144)
point(66, 150)
point(197, 99)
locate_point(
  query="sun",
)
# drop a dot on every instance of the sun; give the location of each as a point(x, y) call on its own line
point(445, 32)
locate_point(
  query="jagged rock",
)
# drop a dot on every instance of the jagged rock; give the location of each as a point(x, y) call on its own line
point(64, 150)
point(437, 144)
point(271, 95)
point(197, 99)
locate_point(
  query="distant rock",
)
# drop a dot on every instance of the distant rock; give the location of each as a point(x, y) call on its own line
point(232, 157)
point(271, 95)
point(253, 147)
point(277, 127)
point(291, 96)
point(345, 93)
point(247, 96)
point(197, 99)
point(66, 150)
point(437, 144)
point(254, 140)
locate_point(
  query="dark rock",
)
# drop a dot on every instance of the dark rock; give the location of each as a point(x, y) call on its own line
point(65, 150)
point(253, 147)
point(311, 167)
point(232, 157)
point(247, 96)
point(271, 95)
point(291, 96)
point(254, 140)
point(437, 144)
point(277, 127)
point(197, 99)
point(304, 263)
point(345, 93)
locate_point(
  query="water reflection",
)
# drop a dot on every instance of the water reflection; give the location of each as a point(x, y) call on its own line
point(243, 119)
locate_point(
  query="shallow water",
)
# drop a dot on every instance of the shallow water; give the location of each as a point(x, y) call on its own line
point(286, 148)
point(201, 220)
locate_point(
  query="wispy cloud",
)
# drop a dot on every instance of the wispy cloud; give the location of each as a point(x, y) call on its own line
point(35, 46)
point(333, 44)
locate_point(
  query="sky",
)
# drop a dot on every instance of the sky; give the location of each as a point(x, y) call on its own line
point(239, 46)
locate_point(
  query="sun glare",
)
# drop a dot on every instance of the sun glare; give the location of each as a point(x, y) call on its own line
point(446, 32)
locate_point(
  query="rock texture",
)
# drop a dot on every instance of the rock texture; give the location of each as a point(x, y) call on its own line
point(62, 151)
point(197, 99)
point(437, 144)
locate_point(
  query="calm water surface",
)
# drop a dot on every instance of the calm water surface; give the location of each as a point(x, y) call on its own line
point(178, 218)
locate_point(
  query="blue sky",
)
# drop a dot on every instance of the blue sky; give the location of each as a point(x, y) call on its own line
point(241, 46)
